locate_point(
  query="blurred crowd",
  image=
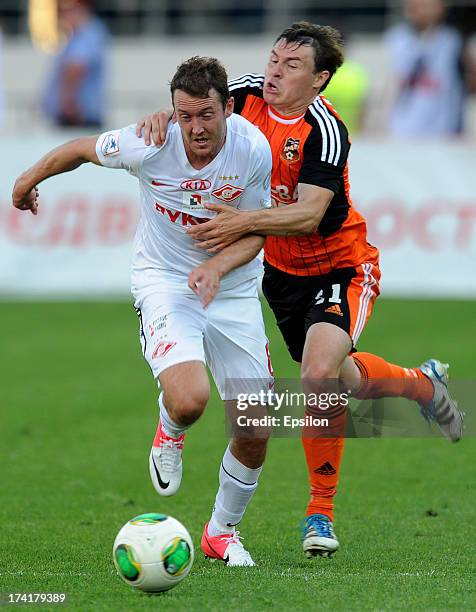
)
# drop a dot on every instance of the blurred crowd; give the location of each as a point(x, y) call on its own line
point(431, 73)
point(75, 93)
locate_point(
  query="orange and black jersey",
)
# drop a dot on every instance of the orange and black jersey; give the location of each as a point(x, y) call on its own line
point(312, 148)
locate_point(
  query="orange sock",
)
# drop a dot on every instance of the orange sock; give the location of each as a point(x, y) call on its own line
point(323, 457)
point(383, 379)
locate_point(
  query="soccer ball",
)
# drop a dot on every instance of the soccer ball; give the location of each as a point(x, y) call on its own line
point(153, 552)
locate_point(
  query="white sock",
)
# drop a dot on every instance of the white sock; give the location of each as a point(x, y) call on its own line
point(237, 485)
point(169, 426)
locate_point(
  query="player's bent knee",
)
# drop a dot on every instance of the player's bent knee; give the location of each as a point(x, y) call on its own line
point(187, 405)
point(319, 372)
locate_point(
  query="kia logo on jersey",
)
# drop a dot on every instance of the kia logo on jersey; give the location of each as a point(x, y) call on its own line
point(196, 185)
point(227, 193)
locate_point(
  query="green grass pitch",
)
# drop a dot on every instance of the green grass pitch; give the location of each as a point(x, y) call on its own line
point(77, 418)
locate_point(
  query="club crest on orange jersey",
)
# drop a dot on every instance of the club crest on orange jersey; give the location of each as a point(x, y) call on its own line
point(290, 152)
point(227, 193)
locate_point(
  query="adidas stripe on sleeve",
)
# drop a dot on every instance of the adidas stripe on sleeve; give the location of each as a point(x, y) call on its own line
point(326, 149)
point(244, 85)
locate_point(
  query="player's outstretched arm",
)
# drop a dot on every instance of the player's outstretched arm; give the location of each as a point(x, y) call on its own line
point(299, 219)
point(155, 125)
point(205, 279)
point(64, 158)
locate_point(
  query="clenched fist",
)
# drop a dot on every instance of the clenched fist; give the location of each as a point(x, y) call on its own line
point(25, 199)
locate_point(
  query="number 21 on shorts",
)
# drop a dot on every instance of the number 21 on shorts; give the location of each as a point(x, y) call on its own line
point(335, 297)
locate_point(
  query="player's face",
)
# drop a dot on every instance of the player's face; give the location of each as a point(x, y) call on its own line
point(203, 123)
point(290, 81)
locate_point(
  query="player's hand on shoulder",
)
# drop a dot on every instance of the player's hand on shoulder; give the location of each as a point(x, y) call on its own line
point(25, 198)
point(153, 128)
point(204, 281)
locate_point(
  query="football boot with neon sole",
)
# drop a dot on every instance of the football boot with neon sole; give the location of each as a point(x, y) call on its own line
point(165, 463)
point(226, 547)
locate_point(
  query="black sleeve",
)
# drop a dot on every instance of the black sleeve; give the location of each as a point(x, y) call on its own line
point(241, 87)
point(325, 154)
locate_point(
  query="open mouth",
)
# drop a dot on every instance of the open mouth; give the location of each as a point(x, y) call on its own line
point(201, 141)
point(271, 88)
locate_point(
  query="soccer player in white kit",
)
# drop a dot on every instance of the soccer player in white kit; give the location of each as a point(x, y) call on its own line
point(194, 308)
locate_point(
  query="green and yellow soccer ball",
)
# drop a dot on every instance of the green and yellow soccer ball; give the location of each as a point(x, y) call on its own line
point(153, 552)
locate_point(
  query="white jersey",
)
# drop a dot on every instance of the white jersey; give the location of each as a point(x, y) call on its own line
point(173, 194)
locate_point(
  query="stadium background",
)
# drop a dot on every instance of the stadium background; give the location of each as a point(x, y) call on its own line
point(78, 404)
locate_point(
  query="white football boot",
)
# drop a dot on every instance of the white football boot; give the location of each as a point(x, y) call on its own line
point(165, 463)
point(442, 409)
point(226, 547)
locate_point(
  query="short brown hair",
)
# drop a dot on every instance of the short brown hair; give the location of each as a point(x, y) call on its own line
point(326, 41)
point(197, 75)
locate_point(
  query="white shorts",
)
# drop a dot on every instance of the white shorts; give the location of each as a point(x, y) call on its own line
point(229, 336)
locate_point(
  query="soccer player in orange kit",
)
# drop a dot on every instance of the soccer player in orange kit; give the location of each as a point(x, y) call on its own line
point(321, 275)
